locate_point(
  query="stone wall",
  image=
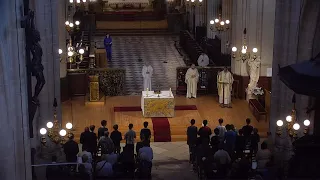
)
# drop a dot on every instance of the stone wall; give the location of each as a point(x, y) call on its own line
point(46, 19)
point(296, 40)
point(15, 142)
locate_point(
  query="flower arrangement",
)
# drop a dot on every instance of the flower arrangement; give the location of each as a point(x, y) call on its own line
point(258, 91)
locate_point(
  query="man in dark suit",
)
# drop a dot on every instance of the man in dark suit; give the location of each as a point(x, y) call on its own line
point(192, 139)
point(92, 141)
point(85, 138)
point(247, 130)
point(145, 133)
point(71, 149)
point(102, 129)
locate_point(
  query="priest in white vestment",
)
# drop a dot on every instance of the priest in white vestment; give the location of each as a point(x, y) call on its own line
point(192, 78)
point(224, 83)
point(147, 72)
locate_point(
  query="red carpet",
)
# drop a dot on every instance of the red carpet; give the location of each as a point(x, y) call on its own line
point(138, 108)
point(161, 126)
point(161, 130)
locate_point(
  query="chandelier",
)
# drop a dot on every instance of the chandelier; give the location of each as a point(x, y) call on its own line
point(71, 27)
point(292, 126)
point(78, 1)
point(75, 54)
point(194, 2)
point(219, 25)
point(54, 130)
point(244, 54)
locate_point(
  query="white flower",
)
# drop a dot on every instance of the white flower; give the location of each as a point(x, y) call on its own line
point(258, 91)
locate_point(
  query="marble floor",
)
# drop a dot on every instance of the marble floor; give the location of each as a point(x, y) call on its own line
point(159, 51)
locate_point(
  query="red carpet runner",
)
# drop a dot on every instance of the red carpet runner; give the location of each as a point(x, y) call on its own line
point(161, 126)
point(161, 130)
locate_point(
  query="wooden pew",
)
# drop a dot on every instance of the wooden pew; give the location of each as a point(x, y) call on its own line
point(257, 109)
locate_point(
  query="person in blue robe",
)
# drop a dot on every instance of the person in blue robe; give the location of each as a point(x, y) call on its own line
point(108, 46)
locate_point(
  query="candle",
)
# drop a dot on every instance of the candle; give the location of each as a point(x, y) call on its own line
point(170, 89)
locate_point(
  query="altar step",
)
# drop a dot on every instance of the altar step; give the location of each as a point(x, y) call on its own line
point(134, 32)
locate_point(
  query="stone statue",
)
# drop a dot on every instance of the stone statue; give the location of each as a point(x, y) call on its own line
point(254, 73)
point(35, 66)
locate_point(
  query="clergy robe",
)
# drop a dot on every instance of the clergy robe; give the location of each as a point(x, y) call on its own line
point(192, 78)
point(108, 46)
point(147, 72)
point(224, 83)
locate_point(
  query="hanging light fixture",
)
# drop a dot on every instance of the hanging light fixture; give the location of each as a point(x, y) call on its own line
point(72, 27)
point(54, 130)
point(75, 55)
point(194, 2)
point(292, 126)
point(219, 25)
point(244, 54)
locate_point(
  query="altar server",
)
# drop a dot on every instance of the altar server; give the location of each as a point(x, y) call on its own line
point(108, 46)
point(191, 79)
point(147, 72)
point(224, 83)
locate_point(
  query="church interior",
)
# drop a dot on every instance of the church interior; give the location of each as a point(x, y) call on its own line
point(247, 72)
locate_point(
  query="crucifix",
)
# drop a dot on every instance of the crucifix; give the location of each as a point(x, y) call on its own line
point(34, 64)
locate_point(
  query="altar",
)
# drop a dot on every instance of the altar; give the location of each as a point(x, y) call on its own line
point(127, 3)
point(157, 105)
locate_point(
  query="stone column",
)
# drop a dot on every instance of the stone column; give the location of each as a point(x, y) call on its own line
point(297, 25)
point(62, 17)
point(15, 144)
point(200, 13)
point(189, 15)
point(226, 36)
point(212, 13)
point(46, 19)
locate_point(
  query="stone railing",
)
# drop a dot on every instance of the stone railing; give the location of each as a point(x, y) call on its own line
point(111, 81)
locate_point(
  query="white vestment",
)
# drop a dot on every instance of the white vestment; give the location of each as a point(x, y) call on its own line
point(203, 60)
point(147, 72)
point(224, 83)
point(192, 77)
